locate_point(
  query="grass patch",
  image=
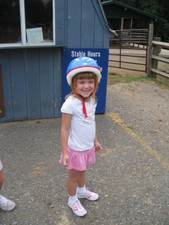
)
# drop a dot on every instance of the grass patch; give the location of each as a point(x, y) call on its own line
point(117, 78)
point(161, 83)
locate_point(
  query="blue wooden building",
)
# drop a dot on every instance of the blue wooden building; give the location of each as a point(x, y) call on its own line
point(36, 40)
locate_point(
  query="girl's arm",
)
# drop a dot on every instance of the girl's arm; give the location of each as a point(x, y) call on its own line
point(97, 145)
point(65, 127)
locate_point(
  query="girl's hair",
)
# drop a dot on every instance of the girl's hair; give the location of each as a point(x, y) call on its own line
point(84, 75)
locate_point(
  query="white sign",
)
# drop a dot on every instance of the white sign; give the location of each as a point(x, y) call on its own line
point(34, 35)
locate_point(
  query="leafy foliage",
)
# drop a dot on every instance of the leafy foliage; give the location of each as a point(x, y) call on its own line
point(158, 8)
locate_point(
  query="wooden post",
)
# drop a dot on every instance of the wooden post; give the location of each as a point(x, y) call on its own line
point(149, 49)
point(131, 24)
point(154, 62)
point(122, 23)
point(2, 112)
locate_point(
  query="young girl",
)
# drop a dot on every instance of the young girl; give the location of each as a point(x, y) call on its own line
point(5, 204)
point(78, 130)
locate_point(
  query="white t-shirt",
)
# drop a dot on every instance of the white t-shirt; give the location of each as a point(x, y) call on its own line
point(82, 130)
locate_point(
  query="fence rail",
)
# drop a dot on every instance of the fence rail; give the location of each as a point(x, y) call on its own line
point(159, 59)
point(127, 48)
point(130, 38)
point(131, 45)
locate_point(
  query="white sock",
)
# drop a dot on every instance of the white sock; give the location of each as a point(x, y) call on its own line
point(81, 190)
point(72, 199)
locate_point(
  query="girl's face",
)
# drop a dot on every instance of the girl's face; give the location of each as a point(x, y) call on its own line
point(85, 87)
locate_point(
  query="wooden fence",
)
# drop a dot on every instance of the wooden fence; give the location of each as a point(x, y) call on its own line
point(159, 59)
point(128, 50)
point(156, 53)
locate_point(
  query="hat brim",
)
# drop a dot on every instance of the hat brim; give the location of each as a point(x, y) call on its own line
point(75, 71)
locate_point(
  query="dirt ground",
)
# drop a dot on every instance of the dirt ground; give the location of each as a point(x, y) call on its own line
point(131, 172)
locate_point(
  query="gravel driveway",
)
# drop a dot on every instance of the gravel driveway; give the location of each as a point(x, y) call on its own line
point(131, 174)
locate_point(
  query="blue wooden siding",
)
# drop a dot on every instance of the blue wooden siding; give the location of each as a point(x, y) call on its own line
point(32, 83)
point(61, 22)
point(31, 77)
point(31, 80)
point(86, 25)
point(76, 22)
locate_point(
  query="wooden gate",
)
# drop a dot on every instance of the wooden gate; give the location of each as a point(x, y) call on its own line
point(129, 50)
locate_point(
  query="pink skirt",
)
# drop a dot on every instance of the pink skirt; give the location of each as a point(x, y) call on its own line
point(78, 160)
point(1, 167)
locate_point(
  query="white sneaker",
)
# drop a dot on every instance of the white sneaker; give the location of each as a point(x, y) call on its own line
point(6, 204)
point(77, 208)
point(91, 196)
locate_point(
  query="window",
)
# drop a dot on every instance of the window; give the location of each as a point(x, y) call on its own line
point(27, 22)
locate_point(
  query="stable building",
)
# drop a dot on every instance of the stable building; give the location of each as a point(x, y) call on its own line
point(122, 16)
point(38, 40)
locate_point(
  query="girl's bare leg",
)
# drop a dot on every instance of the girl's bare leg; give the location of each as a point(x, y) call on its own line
point(75, 178)
point(81, 180)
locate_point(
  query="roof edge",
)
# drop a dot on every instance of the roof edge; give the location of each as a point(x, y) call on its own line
point(112, 31)
point(111, 2)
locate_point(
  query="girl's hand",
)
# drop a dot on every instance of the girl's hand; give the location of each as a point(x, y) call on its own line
point(65, 160)
point(97, 146)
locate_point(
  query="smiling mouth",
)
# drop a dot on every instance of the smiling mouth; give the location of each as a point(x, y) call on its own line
point(86, 92)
